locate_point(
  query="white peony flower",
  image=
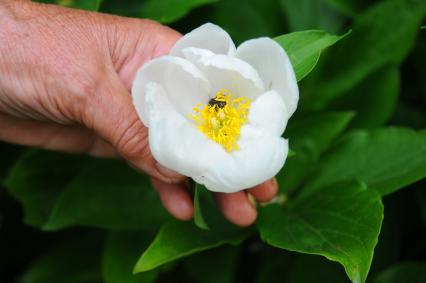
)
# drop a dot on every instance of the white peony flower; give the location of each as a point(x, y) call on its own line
point(215, 112)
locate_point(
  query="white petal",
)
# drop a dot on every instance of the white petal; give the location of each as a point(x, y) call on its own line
point(274, 67)
point(269, 114)
point(196, 55)
point(174, 142)
point(183, 83)
point(257, 161)
point(178, 145)
point(207, 36)
point(144, 107)
point(225, 72)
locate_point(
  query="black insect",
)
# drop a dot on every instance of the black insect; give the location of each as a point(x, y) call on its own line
point(219, 104)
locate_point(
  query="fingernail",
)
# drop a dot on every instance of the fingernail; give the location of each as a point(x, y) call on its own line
point(168, 173)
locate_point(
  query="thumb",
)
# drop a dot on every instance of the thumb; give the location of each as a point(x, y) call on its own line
point(112, 116)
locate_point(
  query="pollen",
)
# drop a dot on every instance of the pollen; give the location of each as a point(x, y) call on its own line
point(222, 117)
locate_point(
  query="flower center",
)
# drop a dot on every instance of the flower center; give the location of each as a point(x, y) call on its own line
point(222, 117)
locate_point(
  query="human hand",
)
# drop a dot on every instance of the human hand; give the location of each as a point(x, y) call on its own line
point(65, 78)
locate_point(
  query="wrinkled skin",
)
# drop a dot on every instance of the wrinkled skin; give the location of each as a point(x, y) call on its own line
point(65, 78)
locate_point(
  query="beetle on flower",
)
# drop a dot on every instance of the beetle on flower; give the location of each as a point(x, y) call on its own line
point(216, 113)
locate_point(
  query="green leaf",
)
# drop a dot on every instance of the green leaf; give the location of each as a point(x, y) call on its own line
point(341, 222)
point(310, 135)
point(374, 99)
point(413, 272)
point(8, 155)
point(348, 7)
point(163, 11)
point(179, 239)
point(260, 18)
point(385, 159)
point(311, 14)
point(204, 267)
point(37, 179)
point(291, 153)
point(76, 260)
point(304, 48)
point(91, 5)
point(199, 193)
point(122, 250)
point(206, 213)
point(128, 8)
point(167, 11)
point(318, 129)
point(59, 191)
point(108, 194)
point(373, 43)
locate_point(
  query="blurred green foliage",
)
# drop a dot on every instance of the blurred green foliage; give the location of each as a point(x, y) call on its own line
point(360, 150)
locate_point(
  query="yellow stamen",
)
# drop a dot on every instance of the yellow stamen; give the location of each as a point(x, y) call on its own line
point(222, 118)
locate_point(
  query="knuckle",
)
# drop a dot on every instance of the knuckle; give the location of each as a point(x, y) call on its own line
point(85, 93)
point(133, 141)
point(86, 88)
